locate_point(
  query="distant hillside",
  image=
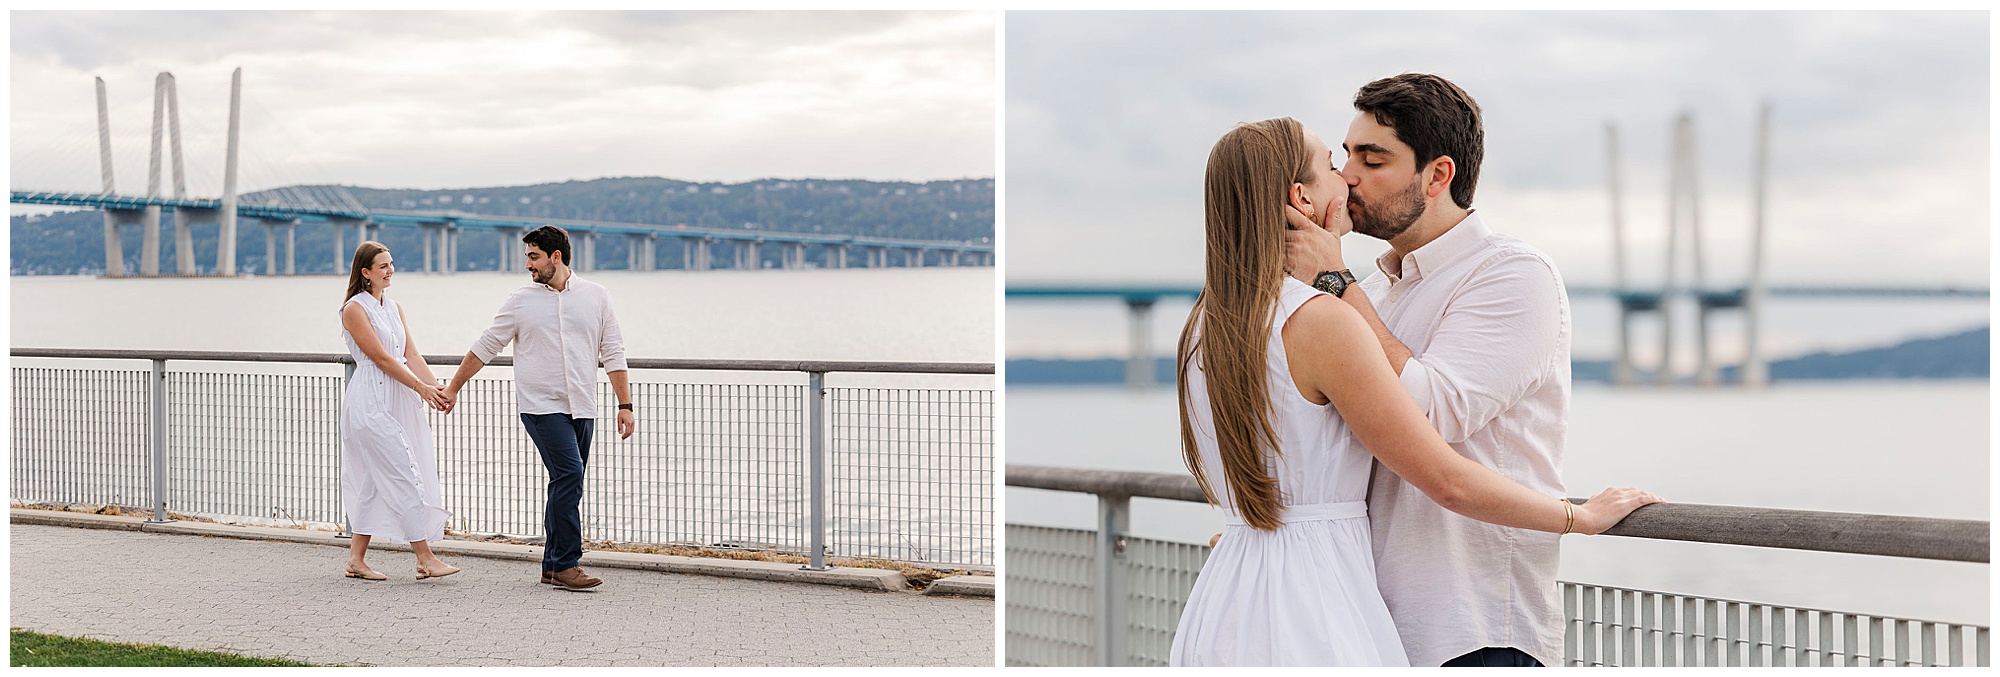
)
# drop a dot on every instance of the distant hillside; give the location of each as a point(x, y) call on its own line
point(960, 210)
point(1962, 355)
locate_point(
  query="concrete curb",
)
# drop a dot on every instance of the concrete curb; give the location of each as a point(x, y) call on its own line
point(967, 585)
point(852, 577)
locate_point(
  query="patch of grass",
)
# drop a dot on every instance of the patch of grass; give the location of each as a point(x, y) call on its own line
point(34, 649)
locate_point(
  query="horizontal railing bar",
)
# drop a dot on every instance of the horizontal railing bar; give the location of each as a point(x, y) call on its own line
point(1169, 486)
point(821, 366)
point(1852, 533)
point(1786, 607)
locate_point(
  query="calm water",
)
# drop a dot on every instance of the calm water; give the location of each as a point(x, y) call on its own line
point(1905, 448)
point(912, 315)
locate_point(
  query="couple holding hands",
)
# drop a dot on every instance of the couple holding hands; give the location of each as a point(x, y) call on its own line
point(563, 329)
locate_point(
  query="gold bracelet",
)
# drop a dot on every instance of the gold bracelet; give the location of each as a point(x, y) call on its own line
point(1569, 509)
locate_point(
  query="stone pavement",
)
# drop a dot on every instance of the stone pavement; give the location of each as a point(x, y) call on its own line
point(288, 600)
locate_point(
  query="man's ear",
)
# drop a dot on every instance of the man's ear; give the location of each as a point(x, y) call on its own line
point(1439, 175)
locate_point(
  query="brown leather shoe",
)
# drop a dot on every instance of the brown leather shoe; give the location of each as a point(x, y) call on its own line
point(549, 577)
point(573, 578)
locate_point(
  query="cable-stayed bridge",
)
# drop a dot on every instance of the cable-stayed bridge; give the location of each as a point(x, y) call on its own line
point(283, 211)
point(1634, 299)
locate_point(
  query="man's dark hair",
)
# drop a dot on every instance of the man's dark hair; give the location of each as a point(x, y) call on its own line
point(550, 239)
point(1435, 118)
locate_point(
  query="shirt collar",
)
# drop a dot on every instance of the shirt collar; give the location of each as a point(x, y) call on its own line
point(1447, 249)
point(571, 285)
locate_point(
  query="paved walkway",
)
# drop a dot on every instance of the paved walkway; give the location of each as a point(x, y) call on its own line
point(288, 600)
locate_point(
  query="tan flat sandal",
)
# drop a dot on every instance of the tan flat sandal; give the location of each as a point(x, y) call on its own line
point(366, 575)
point(448, 570)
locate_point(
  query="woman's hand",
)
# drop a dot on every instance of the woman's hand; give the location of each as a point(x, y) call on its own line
point(1311, 249)
point(434, 396)
point(1609, 507)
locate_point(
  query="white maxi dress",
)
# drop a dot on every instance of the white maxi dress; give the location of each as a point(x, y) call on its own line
point(1303, 595)
point(388, 469)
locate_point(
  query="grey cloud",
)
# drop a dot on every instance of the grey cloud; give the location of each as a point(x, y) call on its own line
point(426, 99)
point(1111, 115)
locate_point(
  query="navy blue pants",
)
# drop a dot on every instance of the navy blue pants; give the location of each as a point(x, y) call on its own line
point(1495, 657)
point(564, 443)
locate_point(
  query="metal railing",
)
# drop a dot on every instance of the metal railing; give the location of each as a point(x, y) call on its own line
point(878, 473)
point(1104, 597)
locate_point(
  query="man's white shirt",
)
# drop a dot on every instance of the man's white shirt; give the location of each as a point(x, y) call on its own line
point(560, 339)
point(1488, 322)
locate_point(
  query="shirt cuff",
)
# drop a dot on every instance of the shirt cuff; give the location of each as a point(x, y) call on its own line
point(1416, 379)
point(615, 364)
point(484, 354)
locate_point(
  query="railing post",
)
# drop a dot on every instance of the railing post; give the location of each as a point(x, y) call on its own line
point(1114, 518)
point(346, 527)
point(159, 442)
point(816, 470)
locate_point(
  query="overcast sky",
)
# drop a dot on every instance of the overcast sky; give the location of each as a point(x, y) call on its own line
point(443, 100)
point(1880, 148)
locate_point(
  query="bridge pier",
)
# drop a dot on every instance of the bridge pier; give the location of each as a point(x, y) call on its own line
point(149, 244)
point(795, 256)
point(292, 247)
point(641, 254)
point(1630, 305)
point(342, 254)
point(698, 253)
point(836, 256)
point(1139, 367)
point(184, 241)
point(270, 248)
point(586, 251)
point(511, 250)
point(748, 256)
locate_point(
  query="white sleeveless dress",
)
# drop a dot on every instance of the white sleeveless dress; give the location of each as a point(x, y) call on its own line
point(1303, 595)
point(388, 470)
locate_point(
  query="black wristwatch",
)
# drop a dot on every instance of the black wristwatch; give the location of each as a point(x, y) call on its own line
point(1333, 282)
point(625, 407)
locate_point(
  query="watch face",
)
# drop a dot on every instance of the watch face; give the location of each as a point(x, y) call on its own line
point(1329, 283)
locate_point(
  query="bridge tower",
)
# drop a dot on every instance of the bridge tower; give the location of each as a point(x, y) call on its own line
point(1684, 223)
point(114, 250)
point(1631, 303)
point(225, 248)
point(1756, 373)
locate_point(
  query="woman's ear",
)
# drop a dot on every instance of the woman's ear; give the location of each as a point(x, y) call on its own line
point(1303, 202)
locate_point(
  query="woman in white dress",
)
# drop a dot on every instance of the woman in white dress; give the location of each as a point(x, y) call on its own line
point(1274, 375)
point(388, 470)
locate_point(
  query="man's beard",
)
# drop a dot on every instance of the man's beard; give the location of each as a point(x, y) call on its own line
point(1387, 220)
point(543, 277)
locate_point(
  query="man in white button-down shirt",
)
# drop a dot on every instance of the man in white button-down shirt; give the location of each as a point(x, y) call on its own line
point(1477, 326)
point(563, 329)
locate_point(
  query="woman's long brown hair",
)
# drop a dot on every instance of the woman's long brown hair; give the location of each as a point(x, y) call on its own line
point(1250, 175)
point(364, 257)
